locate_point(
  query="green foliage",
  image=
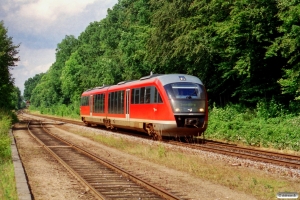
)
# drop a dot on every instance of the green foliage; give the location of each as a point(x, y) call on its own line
point(269, 125)
point(30, 84)
point(61, 110)
point(16, 99)
point(8, 59)
point(287, 46)
point(7, 179)
point(5, 123)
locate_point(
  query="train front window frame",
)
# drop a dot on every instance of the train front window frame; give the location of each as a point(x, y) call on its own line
point(185, 90)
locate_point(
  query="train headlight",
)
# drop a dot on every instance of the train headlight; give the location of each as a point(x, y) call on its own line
point(177, 109)
point(201, 109)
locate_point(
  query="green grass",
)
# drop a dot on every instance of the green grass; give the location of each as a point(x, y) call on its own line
point(7, 177)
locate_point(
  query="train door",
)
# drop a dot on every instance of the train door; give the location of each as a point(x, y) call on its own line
point(127, 97)
point(91, 105)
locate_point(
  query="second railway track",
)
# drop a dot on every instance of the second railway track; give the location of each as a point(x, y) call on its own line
point(104, 179)
point(280, 159)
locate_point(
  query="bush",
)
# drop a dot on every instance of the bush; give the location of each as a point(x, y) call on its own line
point(269, 125)
point(6, 119)
point(7, 179)
point(61, 110)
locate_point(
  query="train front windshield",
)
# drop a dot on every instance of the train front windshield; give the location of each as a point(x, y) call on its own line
point(186, 97)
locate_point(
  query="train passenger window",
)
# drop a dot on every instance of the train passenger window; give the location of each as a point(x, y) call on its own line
point(116, 102)
point(157, 97)
point(111, 100)
point(102, 103)
point(132, 96)
point(147, 94)
point(137, 96)
point(95, 103)
point(84, 101)
point(120, 104)
point(99, 103)
point(142, 95)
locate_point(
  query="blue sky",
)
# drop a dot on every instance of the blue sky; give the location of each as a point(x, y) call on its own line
point(39, 25)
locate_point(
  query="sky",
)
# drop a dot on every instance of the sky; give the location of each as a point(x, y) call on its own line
point(39, 25)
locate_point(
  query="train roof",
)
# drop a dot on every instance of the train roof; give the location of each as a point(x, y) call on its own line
point(163, 78)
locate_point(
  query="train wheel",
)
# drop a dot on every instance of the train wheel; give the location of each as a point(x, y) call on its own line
point(153, 133)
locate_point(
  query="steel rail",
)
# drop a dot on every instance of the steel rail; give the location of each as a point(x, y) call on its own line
point(239, 154)
point(287, 156)
point(228, 152)
point(151, 187)
point(159, 191)
point(74, 173)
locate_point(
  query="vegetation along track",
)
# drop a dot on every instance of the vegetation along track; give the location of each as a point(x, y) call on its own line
point(286, 160)
point(104, 179)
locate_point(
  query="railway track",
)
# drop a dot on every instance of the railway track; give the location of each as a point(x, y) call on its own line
point(286, 160)
point(103, 178)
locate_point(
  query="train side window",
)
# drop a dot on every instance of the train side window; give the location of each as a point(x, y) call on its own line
point(119, 100)
point(122, 94)
point(99, 103)
point(84, 101)
point(115, 102)
point(102, 102)
point(142, 95)
point(137, 96)
point(132, 96)
point(110, 103)
point(157, 97)
point(95, 103)
point(147, 94)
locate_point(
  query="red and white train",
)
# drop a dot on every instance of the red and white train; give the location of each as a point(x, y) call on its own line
point(161, 105)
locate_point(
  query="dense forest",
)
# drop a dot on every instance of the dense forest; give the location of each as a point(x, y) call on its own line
point(243, 51)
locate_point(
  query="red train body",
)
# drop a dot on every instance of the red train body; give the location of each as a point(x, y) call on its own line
point(161, 105)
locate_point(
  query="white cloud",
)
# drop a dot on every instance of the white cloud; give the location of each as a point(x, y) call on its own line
point(32, 62)
point(39, 25)
point(49, 11)
point(44, 16)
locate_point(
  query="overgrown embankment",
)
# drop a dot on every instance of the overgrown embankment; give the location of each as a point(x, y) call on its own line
point(7, 178)
point(269, 125)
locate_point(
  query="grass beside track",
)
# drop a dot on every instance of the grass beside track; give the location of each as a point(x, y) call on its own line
point(7, 176)
point(255, 182)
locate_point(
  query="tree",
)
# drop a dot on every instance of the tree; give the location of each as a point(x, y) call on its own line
point(8, 59)
point(16, 99)
point(30, 84)
point(287, 45)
